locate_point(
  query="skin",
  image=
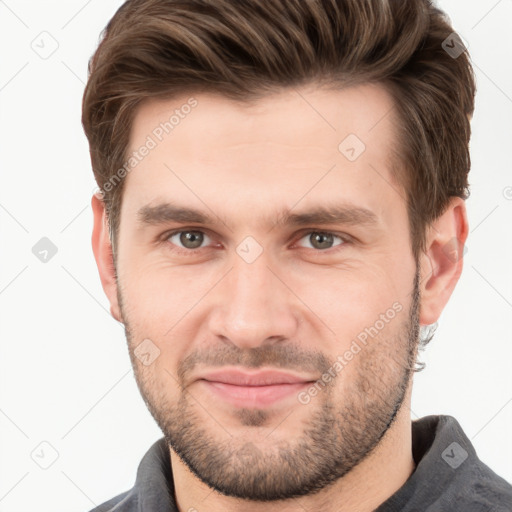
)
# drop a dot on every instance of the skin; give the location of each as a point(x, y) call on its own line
point(245, 164)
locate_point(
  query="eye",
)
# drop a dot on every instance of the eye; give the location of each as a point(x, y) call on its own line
point(189, 239)
point(322, 240)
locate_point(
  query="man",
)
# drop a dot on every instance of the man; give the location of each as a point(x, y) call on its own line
point(281, 216)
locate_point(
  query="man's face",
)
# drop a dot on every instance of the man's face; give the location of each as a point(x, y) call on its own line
point(272, 348)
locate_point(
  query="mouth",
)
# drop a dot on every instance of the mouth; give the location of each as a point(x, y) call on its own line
point(253, 390)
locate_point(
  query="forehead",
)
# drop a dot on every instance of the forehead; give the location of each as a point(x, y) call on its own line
point(215, 121)
point(300, 144)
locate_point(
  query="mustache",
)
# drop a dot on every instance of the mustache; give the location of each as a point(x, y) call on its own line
point(276, 356)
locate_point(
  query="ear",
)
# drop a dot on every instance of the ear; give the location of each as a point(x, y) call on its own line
point(441, 263)
point(102, 249)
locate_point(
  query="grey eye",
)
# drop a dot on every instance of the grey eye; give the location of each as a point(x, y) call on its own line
point(321, 240)
point(188, 239)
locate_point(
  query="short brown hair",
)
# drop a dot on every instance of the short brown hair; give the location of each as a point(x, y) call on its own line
point(244, 49)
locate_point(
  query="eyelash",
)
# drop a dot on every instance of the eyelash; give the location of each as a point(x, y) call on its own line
point(346, 239)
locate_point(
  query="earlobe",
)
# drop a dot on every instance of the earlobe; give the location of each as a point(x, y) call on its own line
point(102, 249)
point(442, 262)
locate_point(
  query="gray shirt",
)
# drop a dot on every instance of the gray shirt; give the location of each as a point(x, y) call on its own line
point(448, 477)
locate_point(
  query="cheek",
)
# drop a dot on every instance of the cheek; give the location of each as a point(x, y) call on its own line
point(158, 384)
point(154, 355)
point(161, 304)
point(158, 294)
point(350, 298)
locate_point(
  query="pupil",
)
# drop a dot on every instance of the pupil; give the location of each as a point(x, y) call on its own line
point(191, 239)
point(322, 240)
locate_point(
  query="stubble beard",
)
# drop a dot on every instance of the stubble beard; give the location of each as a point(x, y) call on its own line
point(338, 434)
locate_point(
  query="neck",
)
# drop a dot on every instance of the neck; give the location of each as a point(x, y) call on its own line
point(362, 489)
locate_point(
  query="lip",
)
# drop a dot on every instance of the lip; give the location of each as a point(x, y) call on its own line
point(258, 378)
point(253, 389)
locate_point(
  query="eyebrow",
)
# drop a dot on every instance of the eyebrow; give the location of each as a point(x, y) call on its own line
point(336, 214)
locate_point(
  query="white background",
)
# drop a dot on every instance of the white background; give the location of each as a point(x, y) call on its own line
point(66, 377)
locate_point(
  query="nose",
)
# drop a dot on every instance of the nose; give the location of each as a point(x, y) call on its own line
point(254, 306)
